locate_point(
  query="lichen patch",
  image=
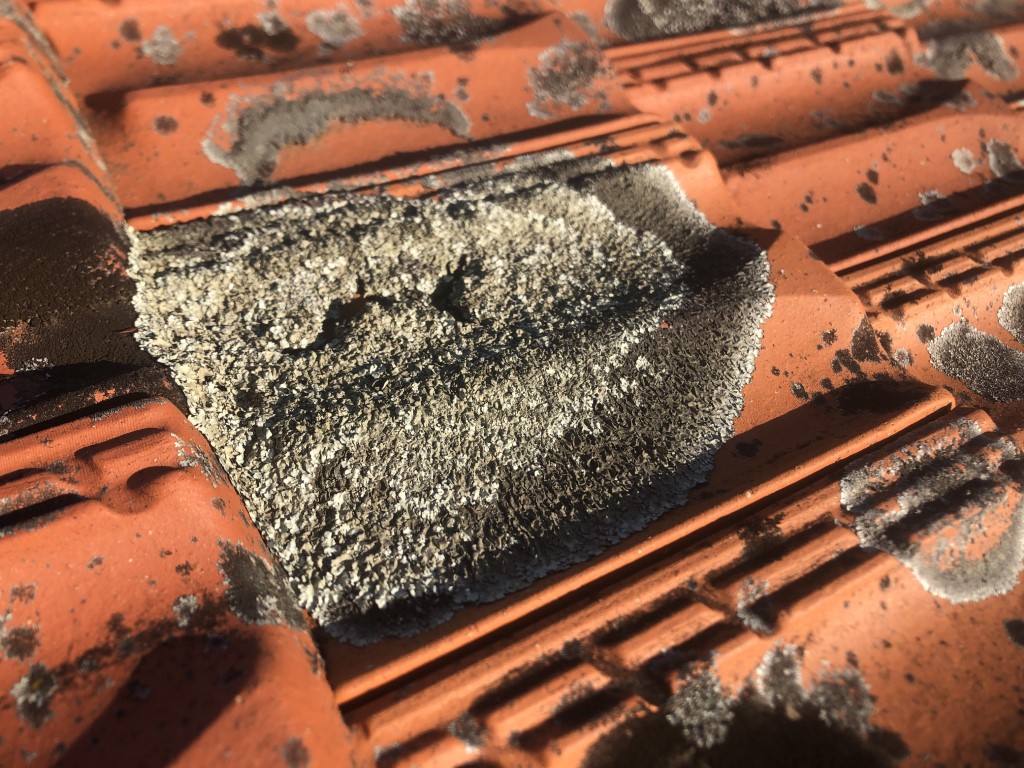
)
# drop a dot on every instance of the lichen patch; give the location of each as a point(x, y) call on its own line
point(429, 403)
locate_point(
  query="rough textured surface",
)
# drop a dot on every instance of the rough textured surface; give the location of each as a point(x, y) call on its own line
point(1011, 312)
point(439, 22)
point(429, 403)
point(980, 360)
point(262, 129)
point(648, 19)
point(772, 715)
point(946, 508)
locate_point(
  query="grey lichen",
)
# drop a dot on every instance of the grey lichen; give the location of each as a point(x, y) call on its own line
point(1011, 311)
point(650, 19)
point(701, 710)
point(568, 75)
point(979, 360)
point(260, 130)
point(163, 47)
point(1002, 159)
point(964, 160)
point(33, 694)
point(442, 22)
point(950, 56)
point(428, 403)
point(944, 505)
point(335, 28)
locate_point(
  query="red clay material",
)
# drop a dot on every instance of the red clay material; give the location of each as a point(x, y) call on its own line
point(164, 631)
point(843, 588)
point(198, 139)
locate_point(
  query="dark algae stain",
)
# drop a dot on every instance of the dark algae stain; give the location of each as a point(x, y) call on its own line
point(257, 591)
point(867, 193)
point(255, 42)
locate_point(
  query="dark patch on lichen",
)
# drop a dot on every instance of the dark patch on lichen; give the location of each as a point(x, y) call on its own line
point(257, 591)
point(798, 391)
point(264, 128)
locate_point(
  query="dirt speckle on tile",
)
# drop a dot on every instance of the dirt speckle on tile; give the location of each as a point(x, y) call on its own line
point(429, 403)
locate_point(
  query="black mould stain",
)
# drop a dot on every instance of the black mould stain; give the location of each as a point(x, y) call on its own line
point(830, 336)
point(257, 592)
point(799, 392)
point(748, 449)
point(295, 753)
point(894, 62)
point(872, 176)
point(864, 345)
point(165, 125)
point(20, 643)
point(925, 333)
point(1015, 631)
point(130, 31)
point(760, 534)
point(24, 593)
point(256, 42)
point(867, 193)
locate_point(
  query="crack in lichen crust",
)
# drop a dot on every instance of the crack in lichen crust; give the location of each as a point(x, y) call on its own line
point(650, 19)
point(947, 505)
point(429, 403)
